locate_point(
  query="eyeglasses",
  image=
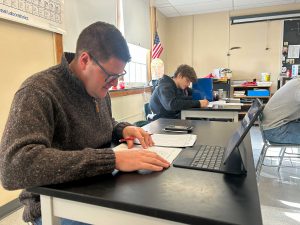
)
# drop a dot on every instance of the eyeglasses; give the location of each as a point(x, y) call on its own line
point(110, 77)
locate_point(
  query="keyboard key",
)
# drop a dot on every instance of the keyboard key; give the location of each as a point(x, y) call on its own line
point(209, 157)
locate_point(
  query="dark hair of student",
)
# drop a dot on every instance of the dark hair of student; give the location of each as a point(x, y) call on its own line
point(186, 71)
point(103, 41)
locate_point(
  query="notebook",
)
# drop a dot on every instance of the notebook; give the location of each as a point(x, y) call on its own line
point(230, 159)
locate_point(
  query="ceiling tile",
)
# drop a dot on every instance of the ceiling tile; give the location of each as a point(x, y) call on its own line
point(169, 11)
point(161, 3)
point(205, 7)
point(245, 4)
point(188, 2)
point(191, 7)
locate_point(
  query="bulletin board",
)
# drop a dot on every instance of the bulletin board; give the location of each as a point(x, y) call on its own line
point(44, 14)
point(291, 44)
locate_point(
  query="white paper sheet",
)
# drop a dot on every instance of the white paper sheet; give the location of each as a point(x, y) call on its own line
point(293, 52)
point(174, 140)
point(221, 102)
point(167, 153)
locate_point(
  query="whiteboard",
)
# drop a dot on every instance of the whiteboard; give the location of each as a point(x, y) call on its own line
point(44, 14)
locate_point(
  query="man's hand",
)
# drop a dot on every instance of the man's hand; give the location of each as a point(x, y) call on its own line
point(203, 103)
point(137, 132)
point(136, 159)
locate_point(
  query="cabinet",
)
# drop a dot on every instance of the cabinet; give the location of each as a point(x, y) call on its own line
point(222, 84)
point(247, 94)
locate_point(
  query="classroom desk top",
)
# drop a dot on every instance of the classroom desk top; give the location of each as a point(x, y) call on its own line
point(176, 194)
point(217, 112)
point(217, 108)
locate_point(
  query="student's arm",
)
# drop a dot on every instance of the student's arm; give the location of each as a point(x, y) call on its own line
point(118, 127)
point(27, 155)
point(29, 158)
point(186, 97)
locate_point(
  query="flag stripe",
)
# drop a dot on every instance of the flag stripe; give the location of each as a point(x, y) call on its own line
point(157, 53)
point(157, 47)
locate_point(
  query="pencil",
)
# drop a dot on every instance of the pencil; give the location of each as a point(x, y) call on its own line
point(130, 138)
point(127, 139)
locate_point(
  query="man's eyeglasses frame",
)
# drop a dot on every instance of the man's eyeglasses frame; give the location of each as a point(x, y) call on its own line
point(110, 77)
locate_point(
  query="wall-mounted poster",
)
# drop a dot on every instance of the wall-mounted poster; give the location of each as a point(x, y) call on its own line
point(291, 44)
point(44, 14)
point(294, 51)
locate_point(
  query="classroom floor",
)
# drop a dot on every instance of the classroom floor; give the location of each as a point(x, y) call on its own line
point(278, 192)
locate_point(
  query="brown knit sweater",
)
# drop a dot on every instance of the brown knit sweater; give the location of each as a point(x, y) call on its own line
point(55, 134)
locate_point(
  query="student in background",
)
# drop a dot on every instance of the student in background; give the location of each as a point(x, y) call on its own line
point(282, 113)
point(167, 101)
point(186, 93)
point(60, 125)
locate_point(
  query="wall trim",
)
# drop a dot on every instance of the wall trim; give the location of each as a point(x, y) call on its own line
point(125, 92)
point(9, 208)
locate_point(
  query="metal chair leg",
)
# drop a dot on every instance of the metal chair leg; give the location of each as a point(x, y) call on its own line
point(281, 155)
point(261, 160)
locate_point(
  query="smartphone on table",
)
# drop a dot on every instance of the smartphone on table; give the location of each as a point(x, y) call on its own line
point(178, 128)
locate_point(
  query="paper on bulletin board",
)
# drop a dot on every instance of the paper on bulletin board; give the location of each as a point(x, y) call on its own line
point(293, 52)
point(44, 14)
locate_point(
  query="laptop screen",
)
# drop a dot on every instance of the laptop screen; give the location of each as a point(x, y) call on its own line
point(245, 125)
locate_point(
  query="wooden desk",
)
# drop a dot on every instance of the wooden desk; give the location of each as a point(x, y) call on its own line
point(173, 196)
point(223, 113)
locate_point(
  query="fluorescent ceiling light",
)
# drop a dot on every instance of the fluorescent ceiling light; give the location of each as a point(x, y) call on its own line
point(265, 17)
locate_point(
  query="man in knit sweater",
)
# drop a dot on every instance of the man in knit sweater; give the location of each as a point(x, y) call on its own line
point(60, 124)
point(281, 115)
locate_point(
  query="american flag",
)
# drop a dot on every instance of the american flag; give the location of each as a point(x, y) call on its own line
point(157, 47)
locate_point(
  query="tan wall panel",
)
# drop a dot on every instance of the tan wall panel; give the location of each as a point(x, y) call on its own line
point(253, 58)
point(162, 33)
point(210, 42)
point(24, 50)
point(179, 42)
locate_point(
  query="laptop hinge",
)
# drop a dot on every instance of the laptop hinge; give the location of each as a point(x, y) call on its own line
point(243, 153)
point(235, 164)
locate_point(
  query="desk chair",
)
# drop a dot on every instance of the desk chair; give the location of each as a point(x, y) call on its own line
point(149, 116)
point(283, 151)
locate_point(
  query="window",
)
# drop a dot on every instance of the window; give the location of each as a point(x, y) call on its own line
point(136, 31)
point(136, 69)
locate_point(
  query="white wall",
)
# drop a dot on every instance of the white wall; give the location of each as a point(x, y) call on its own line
point(130, 108)
point(137, 22)
point(79, 14)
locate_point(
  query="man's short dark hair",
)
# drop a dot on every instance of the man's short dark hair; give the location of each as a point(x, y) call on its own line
point(103, 41)
point(186, 71)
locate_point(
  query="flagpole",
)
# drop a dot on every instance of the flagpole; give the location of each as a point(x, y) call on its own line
point(153, 30)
